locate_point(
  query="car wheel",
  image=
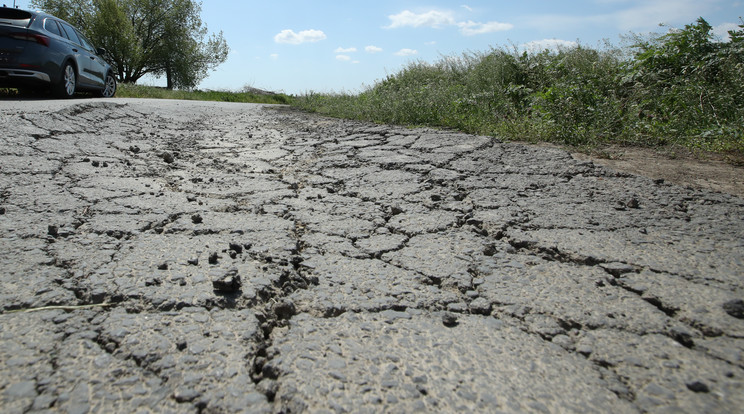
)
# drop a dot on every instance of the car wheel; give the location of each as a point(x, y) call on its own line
point(68, 83)
point(109, 89)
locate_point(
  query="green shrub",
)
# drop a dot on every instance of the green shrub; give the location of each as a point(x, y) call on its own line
point(126, 90)
point(680, 87)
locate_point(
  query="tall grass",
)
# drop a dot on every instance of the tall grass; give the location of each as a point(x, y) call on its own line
point(247, 96)
point(643, 94)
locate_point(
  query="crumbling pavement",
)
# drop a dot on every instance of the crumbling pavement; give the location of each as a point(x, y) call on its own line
point(172, 256)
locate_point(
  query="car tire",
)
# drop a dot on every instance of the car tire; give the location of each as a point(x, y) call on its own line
point(67, 83)
point(109, 88)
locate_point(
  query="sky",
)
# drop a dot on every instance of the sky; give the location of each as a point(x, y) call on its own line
point(298, 46)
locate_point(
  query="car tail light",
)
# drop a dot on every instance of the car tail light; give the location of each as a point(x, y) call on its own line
point(40, 39)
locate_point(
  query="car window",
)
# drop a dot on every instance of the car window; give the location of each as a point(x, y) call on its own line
point(85, 42)
point(51, 27)
point(69, 32)
point(15, 17)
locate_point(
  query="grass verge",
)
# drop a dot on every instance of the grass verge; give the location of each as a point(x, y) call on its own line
point(152, 92)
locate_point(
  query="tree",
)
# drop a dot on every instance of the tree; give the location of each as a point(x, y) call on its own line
point(158, 37)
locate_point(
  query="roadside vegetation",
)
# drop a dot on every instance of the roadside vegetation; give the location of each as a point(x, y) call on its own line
point(126, 90)
point(681, 88)
point(247, 95)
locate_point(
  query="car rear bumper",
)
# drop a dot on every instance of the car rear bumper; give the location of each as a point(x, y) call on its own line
point(9, 76)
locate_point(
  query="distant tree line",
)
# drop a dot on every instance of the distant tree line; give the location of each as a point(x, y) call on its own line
point(156, 37)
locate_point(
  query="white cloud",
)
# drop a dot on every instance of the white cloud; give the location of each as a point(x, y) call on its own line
point(274, 56)
point(344, 58)
point(721, 31)
point(650, 13)
point(305, 36)
point(536, 46)
point(406, 52)
point(438, 19)
point(345, 50)
point(633, 15)
point(466, 7)
point(373, 49)
point(433, 18)
point(471, 28)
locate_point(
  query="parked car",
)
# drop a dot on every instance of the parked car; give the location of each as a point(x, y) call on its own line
point(38, 50)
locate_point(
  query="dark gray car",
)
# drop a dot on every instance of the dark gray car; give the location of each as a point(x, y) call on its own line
point(38, 50)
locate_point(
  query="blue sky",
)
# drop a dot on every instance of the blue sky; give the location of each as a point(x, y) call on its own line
point(297, 46)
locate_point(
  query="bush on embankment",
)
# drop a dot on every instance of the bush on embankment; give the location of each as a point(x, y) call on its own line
point(682, 87)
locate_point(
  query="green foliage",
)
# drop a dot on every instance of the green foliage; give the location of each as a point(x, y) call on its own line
point(140, 91)
point(681, 87)
point(685, 87)
point(159, 37)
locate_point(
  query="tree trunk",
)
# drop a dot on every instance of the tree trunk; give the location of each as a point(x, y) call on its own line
point(168, 77)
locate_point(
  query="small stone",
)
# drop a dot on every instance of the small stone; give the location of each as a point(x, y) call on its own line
point(564, 341)
point(163, 266)
point(2, 211)
point(196, 219)
point(152, 281)
point(185, 395)
point(213, 258)
point(697, 386)
point(480, 306)
point(168, 157)
point(191, 199)
point(43, 402)
point(229, 283)
point(284, 309)
point(490, 250)
point(24, 389)
point(135, 149)
point(391, 315)
point(270, 370)
point(53, 231)
point(268, 387)
point(458, 307)
point(194, 261)
point(449, 319)
point(95, 163)
point(584, 349)
point(735, 308)
point(236, 248)
point(337, 375)
point(682, 335)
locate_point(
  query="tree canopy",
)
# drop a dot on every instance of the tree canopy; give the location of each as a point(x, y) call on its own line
point(157, 37)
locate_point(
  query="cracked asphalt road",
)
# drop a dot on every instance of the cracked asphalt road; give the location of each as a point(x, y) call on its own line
point(171, 256)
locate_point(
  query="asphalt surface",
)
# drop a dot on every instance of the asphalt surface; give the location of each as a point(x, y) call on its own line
point(169, 256)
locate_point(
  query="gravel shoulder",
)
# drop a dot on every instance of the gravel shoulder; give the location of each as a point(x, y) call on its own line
point(170, 256)
point(708, 171)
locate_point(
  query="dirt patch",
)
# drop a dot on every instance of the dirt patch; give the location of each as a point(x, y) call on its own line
point(723, 173)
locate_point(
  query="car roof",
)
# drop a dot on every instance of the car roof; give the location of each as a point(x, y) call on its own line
point(37, 13)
